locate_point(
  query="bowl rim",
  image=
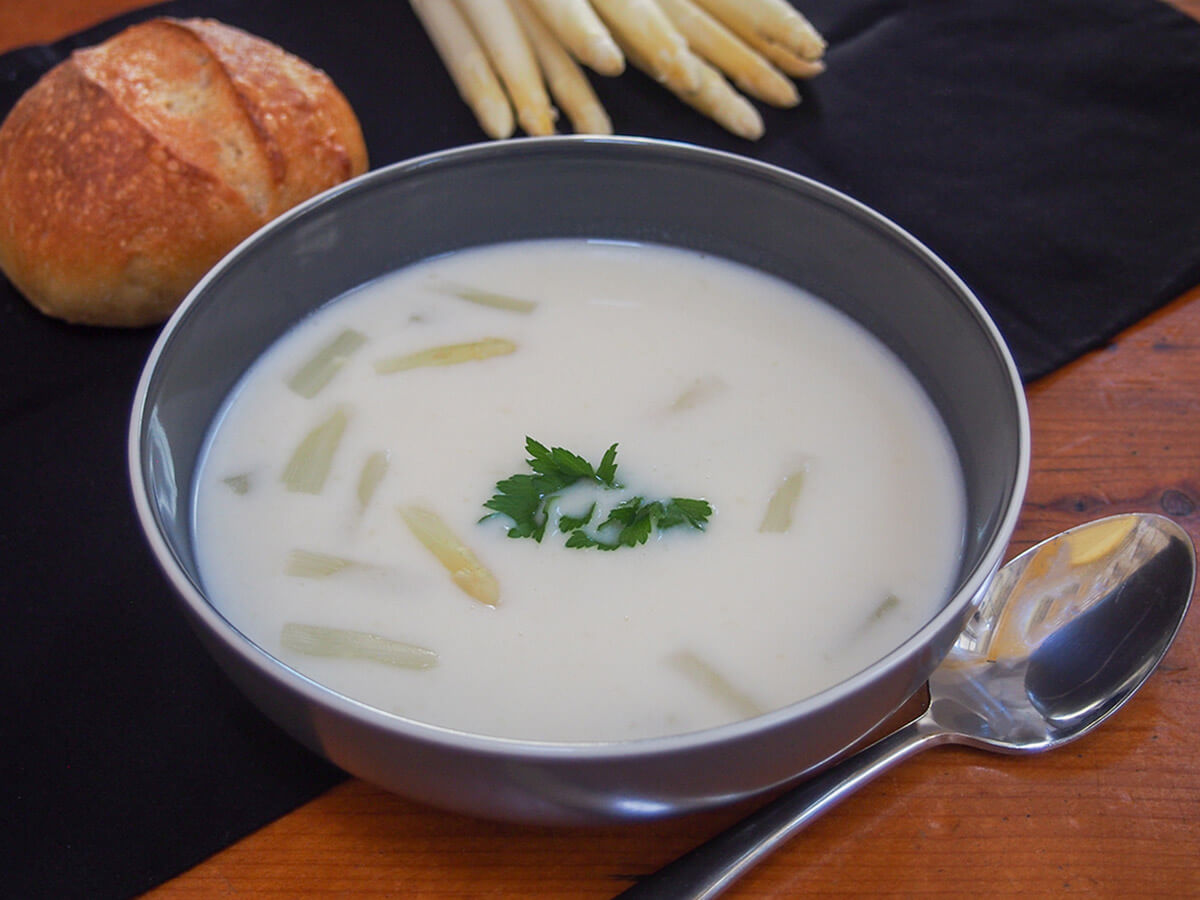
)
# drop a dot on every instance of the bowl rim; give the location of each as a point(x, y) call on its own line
point(204, 613)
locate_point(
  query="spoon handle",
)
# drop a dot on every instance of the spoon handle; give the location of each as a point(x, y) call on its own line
point(716, 864)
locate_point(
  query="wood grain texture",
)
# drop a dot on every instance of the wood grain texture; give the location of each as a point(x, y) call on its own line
point(42, 21)
point(1115, 815)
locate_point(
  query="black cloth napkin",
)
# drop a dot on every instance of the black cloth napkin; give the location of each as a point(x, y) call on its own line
point(1047, 151)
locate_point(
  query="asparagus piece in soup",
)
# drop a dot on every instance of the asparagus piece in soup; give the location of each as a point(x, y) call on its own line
point(446, 355)
point(239, 484)
point(699, 391)
point(491, 299)
point(313, 564)
point(464, 567)
point(778, 517)
point(320, 640)
point(702, 673)
point(373, 471)
point(309, 465)
point(320, 369)
point(889, 603)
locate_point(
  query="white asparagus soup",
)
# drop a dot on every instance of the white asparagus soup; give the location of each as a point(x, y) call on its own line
point(578, 491)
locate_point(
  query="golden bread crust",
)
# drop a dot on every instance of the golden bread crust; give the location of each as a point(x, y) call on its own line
point(299, 111)
point(129, 169)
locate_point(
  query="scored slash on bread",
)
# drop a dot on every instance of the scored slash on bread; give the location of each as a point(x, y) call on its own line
point(130, 168)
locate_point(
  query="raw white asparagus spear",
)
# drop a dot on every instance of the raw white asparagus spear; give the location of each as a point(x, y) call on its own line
point(783, 59)
point(774, 20)
point(715, 98)
point(580, 30)
point(641, 26)
point(567, 82)
point(504, 42)
point(714, 42)
point(467, 64)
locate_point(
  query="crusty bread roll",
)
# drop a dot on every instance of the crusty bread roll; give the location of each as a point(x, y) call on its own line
point(130, 168)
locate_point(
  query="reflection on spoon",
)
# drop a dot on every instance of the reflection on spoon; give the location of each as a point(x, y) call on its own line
point(1067, 632)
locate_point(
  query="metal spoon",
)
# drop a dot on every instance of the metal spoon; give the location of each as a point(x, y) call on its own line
point(1067, 632)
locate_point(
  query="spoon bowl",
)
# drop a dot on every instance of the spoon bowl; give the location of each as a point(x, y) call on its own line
point(1065, 635)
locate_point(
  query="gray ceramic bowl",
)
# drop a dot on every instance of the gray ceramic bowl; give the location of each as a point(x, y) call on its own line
point(613, 188)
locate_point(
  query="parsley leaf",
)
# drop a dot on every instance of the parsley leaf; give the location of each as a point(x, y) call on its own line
point(574, 523)
point(526, 499)
point(520, 498)
point(607, 473)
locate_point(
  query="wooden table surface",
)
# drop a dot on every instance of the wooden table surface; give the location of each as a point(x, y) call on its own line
point(1115, 815)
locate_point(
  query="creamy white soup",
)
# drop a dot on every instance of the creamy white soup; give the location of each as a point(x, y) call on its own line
point(340, 514)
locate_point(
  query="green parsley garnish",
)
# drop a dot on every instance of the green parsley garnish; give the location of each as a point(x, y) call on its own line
point(525, 500)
